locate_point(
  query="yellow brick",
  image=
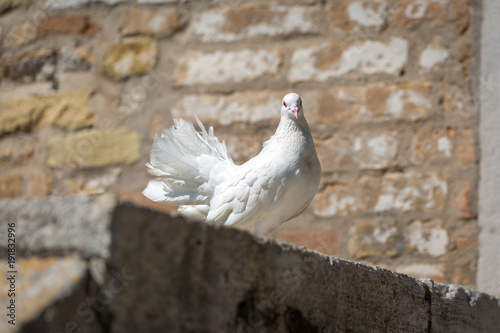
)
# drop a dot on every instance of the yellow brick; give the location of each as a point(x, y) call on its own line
point(66, 111)
point(93, 148)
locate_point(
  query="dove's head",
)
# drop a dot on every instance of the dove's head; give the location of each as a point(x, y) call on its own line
point(291, 106)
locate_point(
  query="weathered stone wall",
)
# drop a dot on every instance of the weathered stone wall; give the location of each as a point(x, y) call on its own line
point(132, 269)
point(388, 86)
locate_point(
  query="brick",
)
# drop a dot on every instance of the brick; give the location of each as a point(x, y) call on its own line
point(11, 186)
point(347, 15)
point(461, 15)
point(412, 192)
point(464, 273)
point(132, 100)
point(66, 111)
point(466, 154)
point(340, 200)
point(432, 145)
point(27, 151)
point(458, 100)
point(243, 147)
point(64, 4)
point(23, 32)
point(16, 149)
point(140, 21)
point(365, 150)
point(436, 272)
point(93, 148)
point(197, 68)
point(369, 103)
point(464, 260)
point(77, 59)
point(230, 23)
point(413, 13)
point(38, 65)
point(249, 107)
point(137, 198)
point(396, 192)
point(427, 238)
point(40, 185)
point(6, 5)
point(432, 56)
point(466, 57)
point(331, 60)
point(132, 57)
point(67, 24)
point(371, 239)
point(156, 126)
point(324, 241)
point(463, 201)
point(96, 184)
point(465, 243)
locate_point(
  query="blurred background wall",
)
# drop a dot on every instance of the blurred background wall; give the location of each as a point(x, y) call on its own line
point(390, 89)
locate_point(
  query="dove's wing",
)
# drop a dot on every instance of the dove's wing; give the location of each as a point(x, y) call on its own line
point(245, 197)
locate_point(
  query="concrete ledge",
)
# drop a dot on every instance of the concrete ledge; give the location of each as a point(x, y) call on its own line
point(166, 274)
point(56, 225)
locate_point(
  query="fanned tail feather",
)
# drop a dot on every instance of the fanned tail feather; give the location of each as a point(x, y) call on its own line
point(183, 160)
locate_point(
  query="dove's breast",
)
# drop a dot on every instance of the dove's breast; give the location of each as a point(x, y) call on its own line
point(271, 188)
point(298, 177)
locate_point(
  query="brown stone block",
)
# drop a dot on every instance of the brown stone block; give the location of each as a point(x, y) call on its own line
point(140, 21)
point(23, 32)
point(347, 15)
point(461, 14)
point(466, 151)
point(38, 65)
point(459, 101)
point(11, 186)
point(40, 185)
point(372, 239)
point(436, 272)
point(93, 148)
point(398, 192)
point(432, 145)
point(66, 111)
point(247, 20)
point(67, 24)
point(427, 238)
point(412, 13)
point(369, 103)
point(132, 57)
point(325, 61)
point(139, 199)
point(463, 201)
point(368, 150)
point(229, 67)
point(325, 241)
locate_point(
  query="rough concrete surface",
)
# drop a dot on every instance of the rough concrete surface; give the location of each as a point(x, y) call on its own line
point(59, 225)
point(166, 274)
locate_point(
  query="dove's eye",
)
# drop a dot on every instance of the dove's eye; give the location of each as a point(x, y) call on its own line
point(284, 104)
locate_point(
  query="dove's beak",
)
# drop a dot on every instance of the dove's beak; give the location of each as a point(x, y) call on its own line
point(295, 111)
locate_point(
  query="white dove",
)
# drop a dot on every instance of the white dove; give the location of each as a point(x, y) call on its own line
point(195, 171)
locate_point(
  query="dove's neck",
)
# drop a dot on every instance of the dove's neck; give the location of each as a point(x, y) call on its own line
point(289, 128)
